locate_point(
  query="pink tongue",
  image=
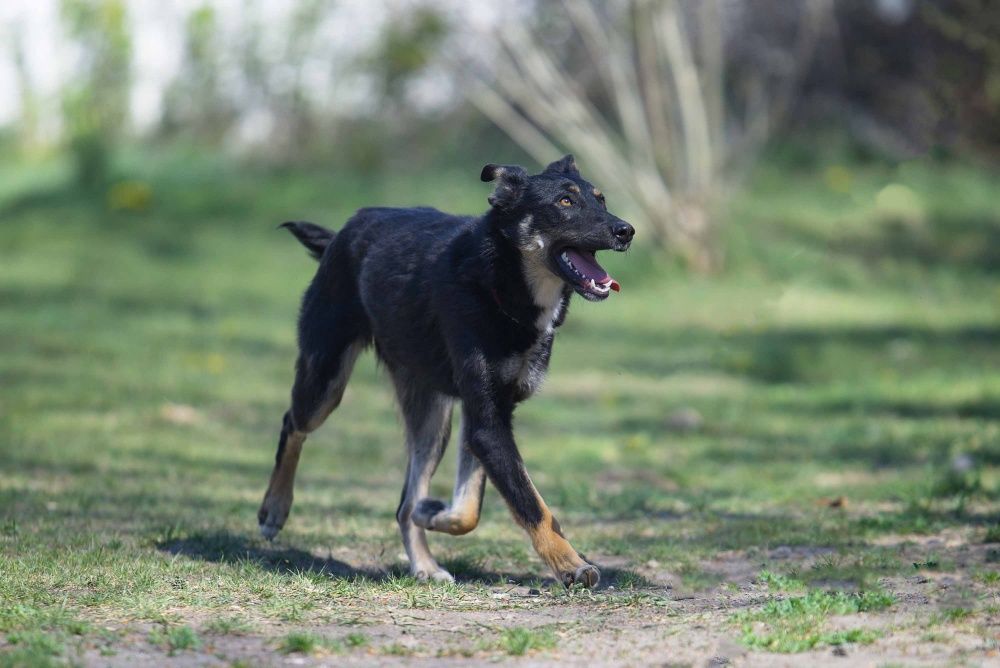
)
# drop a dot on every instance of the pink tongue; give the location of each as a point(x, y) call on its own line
point(586, 264)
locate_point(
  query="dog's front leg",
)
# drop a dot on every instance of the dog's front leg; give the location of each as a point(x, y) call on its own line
point(491, 439)
point(462, 515)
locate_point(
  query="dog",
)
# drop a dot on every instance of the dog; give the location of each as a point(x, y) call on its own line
point(461, 310)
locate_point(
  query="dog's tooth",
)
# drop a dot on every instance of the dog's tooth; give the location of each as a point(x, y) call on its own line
point(593, 286)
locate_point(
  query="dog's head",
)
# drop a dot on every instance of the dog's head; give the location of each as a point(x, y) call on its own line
point(560, 220)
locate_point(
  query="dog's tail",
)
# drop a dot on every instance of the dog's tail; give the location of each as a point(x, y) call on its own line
point(313, 237)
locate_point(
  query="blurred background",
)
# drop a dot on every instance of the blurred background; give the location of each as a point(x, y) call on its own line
point(670, 105)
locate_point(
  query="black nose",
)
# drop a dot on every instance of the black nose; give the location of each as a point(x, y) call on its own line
point(623, 231)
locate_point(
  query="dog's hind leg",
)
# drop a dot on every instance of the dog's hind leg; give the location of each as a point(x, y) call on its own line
point(428, 426)
point(320, 380)
point(462, 515)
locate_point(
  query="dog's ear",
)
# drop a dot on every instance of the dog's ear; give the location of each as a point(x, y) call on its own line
point(511, 181)
point(564, 165)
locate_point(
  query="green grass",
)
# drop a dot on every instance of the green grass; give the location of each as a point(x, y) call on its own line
point(991, 578)
point(175, 639)
point(796, 624)
point(31, 648)
point(518, 641)
point(301, 642)
point(778, 582)
point(229, 626)
point(145, 363)
point(306, 642)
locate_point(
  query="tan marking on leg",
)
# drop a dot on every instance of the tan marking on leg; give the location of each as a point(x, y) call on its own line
point(550, 544)
point(462, 515)
point(278, 499)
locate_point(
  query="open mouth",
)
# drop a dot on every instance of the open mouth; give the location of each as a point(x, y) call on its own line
point(580, 269)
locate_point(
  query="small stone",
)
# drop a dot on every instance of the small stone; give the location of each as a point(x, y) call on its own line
point(962, 463)
point(534, 592)
point(685, 419)
point(840, 650)
point(180, 414)
point(781, 552)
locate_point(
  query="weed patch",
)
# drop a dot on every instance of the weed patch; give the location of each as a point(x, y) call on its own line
point(518, 641)
point(175, 639)
point(795, 624)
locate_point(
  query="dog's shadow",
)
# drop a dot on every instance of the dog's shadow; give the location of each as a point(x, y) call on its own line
point(230, 548)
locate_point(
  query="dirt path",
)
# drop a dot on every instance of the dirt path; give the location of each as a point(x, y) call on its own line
point(943, 613)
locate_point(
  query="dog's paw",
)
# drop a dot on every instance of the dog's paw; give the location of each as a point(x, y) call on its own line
point(436, 574)
point(271, 517)
point(586, 575)
point(434, 515)
point(425, 510)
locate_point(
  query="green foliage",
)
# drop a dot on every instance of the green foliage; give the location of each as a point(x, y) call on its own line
point(957, 614)
point(860, 569)
point(175, 638)
point(778, 582)
point(33, 646)
point(95, 104)
point(795, 624)
point(518, 641)
point(628, 579)
point(229, 626)
point(306, 642)
point(195, 103)
point(929, 564)
point(355, 640)
point(300, 642)
point(406, 47)
point(396, 649)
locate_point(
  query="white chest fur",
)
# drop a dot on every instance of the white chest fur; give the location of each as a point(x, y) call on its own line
point(528, 369)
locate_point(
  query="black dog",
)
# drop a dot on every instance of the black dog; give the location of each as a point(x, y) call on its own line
point(458, 308)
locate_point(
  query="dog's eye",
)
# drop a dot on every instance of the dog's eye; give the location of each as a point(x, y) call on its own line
point(566, 201)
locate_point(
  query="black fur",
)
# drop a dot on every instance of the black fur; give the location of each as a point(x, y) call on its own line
point(313, 237)
point(450, 303)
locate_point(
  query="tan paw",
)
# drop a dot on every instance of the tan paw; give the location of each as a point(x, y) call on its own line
point(586, 575)
point(434, 515)
point(425, 511)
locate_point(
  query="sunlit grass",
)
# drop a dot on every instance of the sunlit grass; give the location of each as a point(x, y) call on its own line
point(841, 403)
